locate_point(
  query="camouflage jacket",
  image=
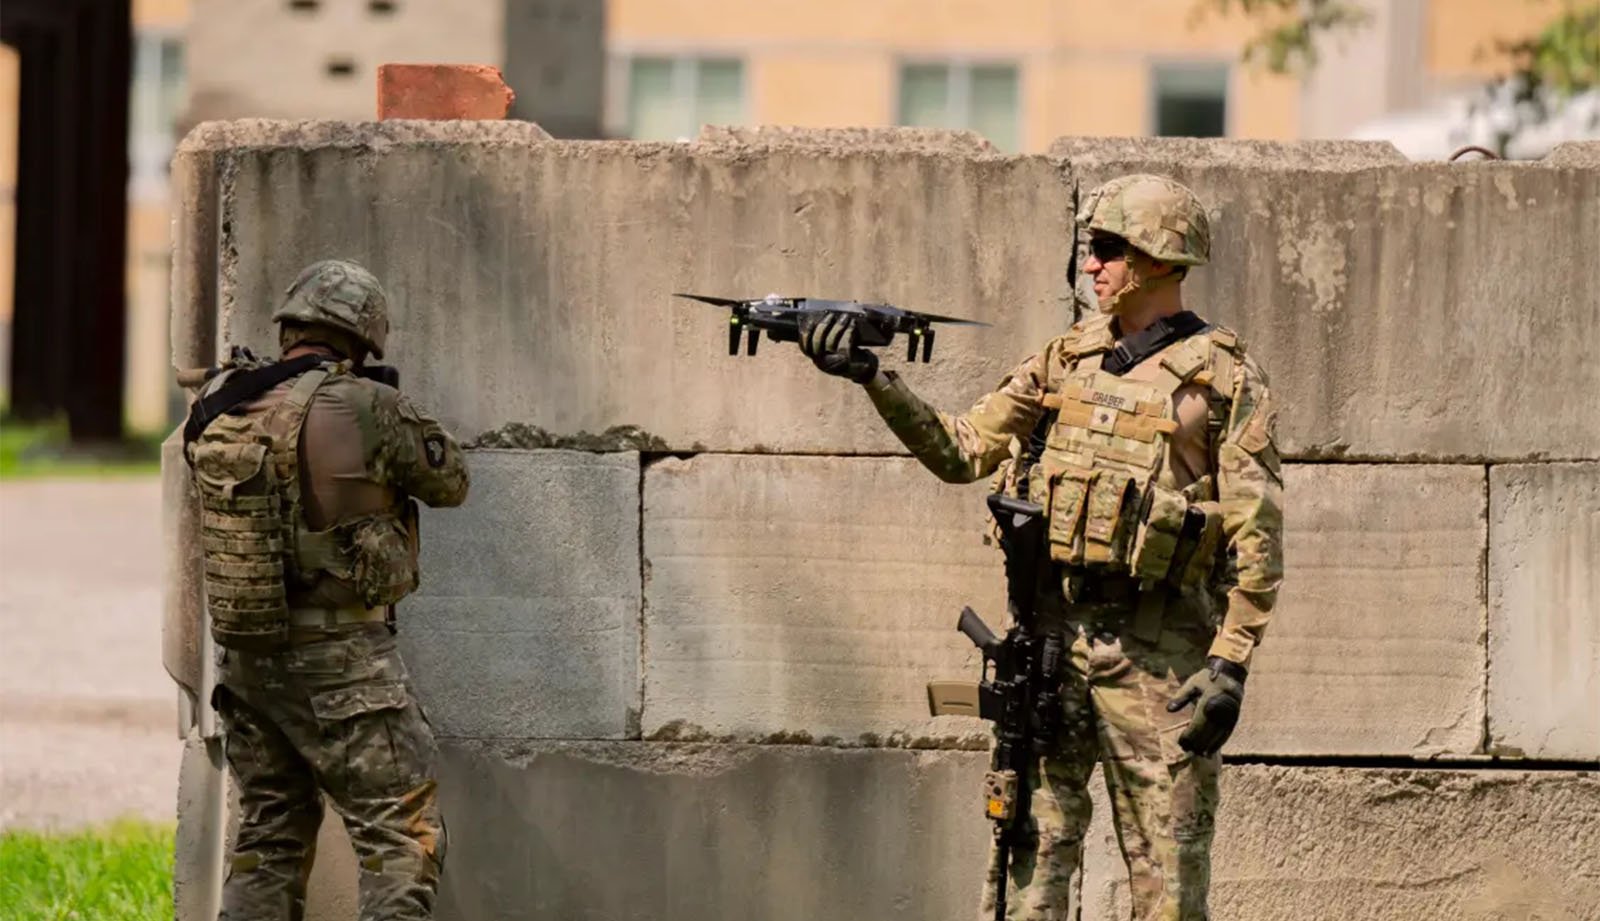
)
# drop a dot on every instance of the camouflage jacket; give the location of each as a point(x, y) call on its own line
point(1244, 458)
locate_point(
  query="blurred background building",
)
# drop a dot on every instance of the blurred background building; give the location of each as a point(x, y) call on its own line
point(1021, 73)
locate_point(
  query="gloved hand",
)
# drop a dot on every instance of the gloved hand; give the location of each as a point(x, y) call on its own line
point(1219, 688)
point(830, 343)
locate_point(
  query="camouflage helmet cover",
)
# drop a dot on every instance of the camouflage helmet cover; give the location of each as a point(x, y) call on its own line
point(343, 295)
point(1158, 216)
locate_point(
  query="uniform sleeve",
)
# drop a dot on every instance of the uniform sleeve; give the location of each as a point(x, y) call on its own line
point(968, 447)
point(1250, 489)
point(418, 456)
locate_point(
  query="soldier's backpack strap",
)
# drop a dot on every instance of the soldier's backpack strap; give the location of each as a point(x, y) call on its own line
point(241, 387)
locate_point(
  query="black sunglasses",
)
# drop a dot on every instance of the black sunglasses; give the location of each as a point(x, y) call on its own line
point(1108, 249)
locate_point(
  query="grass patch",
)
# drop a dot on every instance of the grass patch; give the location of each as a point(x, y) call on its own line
point(44, 450)
point(119, 872)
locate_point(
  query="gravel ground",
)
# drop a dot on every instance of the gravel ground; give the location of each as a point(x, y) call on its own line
point(87, 714)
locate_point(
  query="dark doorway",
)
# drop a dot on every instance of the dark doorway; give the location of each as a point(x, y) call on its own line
point(70, 313)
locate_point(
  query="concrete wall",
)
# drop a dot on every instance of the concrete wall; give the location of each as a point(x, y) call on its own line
point(675, 642)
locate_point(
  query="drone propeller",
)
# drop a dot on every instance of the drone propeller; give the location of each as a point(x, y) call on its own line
point(935, 318)
point(714, 301)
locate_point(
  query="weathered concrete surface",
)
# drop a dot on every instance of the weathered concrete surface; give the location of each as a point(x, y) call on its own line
point(648, 831)
point(1391, 302)
point(637, 830)
point(182, 592)
point(532, 280)
point(1376, 647)
point(1544, 610)
point(1365, 283)
point(526, 624)
point(800, 595)
point(900, 139)
point(1387, 844)
point(808, 595)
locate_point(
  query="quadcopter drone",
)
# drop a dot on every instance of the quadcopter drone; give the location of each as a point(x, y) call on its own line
point(784, 317)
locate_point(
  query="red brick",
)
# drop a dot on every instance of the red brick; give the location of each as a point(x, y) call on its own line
point(442, 91)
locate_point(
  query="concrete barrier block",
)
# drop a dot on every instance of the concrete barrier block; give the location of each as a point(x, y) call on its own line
point(899, 139)
point(781, 832)
point(531, 280)
point(790, 596)
point(810, 598)
point(1385, 845)
point(183, 591)
point(666, 832)
point(1376, 647)
point(526, 624)
point(1544, 610)
point(1388, 300)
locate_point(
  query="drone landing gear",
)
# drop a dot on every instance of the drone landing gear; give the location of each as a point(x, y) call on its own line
point(925, 334)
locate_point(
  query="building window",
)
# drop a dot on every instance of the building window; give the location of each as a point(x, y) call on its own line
point(154, 106)
point(1191, 100)
point(979, 97)
point(670, 98)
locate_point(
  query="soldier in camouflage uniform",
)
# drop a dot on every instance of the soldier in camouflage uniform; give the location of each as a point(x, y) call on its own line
point(1147, 436)
point(309, 539)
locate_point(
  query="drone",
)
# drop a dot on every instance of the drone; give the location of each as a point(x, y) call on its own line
point(784, 317)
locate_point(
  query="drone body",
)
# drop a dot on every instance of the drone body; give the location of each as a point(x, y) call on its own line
point(784, 318)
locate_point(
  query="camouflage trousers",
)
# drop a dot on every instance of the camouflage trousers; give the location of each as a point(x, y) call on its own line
point(1163, 800)
point(331, 716)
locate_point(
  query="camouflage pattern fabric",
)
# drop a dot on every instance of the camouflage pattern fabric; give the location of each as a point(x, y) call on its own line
point(1163, 800)
point(1158, 216)
point(341, 294)
point(334, 714)
point(1248, 485)
point(331, 712)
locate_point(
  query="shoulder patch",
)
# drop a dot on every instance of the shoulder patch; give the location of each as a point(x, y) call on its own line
point(435, 447)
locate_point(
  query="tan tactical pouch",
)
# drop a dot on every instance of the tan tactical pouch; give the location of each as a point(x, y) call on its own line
point(241, 535)
point(1159, 530)
point(1110, 518)
point(1065, 495)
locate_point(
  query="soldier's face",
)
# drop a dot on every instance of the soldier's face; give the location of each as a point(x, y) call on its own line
point(1107, 265)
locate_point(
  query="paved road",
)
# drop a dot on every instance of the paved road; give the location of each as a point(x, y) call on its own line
point(87, 715)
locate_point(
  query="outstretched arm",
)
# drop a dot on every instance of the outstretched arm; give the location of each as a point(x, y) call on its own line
point(957, 449)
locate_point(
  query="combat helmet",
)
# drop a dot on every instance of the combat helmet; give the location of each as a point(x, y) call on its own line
point(1156, 215)
point(341, 294)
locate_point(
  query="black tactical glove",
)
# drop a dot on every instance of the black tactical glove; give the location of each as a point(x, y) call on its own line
point(830, 343)
point(1219, 688)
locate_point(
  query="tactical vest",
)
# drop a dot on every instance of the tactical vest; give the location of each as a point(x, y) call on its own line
point(1103, 477)
point(256, 545)
point(247, 471)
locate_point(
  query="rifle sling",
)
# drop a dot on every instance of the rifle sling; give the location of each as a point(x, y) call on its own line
point(240, 388)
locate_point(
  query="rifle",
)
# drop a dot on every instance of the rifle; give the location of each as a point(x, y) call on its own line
point(191, 378)
point(1021, 695)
